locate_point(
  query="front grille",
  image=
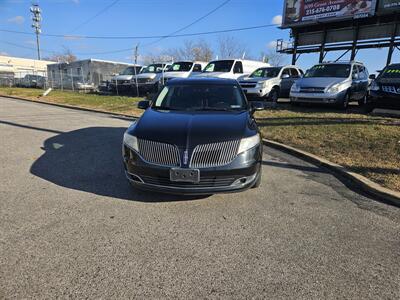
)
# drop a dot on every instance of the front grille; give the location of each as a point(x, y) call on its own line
point(209, 181)
point(312, 90)
point(390, 89)
point(248, 85)
point(144, 80)
point(159, 153)
point(214, 155)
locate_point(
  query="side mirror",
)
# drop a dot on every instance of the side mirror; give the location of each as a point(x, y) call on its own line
point(144, 104)
point(256, 106)
point(372, 76)
point(285, 76)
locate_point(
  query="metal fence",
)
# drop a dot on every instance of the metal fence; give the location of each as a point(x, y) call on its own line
point(56, 79)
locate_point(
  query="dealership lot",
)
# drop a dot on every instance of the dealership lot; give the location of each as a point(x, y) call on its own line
point(71, 226)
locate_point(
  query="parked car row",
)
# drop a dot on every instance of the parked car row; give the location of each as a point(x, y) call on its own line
point(332, 83)
point(153, 77)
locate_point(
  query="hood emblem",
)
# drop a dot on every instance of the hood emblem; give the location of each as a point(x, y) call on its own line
point(185, 157)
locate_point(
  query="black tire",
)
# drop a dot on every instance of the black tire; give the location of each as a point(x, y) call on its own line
point(257, 183)
point(363, 101)
point(274, 95)
point(345, 103)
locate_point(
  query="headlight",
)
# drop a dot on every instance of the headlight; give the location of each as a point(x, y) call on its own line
point(131, 141)
point(295, 88)
point(374, 86)
point(248, 143)
point(263, 84)
point(336, 88)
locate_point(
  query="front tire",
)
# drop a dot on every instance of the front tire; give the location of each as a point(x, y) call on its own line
point(363, 101)
point(345, 103)
point(257, 183)
point(274, 95)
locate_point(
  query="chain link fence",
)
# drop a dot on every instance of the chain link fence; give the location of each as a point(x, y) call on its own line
point(57, 79)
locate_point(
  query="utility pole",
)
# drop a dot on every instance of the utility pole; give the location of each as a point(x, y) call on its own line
point(135, 60)
point(36, 19)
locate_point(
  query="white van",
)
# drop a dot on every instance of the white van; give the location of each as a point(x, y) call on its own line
point(183, 69)
point(232, 68)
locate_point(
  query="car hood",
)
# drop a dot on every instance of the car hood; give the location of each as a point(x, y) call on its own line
point(187, 129)
point(123, 77)
point(320, 82)
point(255, 79)
point(176, 74)
point(147, 75)
point(214, 74)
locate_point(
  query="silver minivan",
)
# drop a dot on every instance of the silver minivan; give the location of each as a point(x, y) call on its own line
point(336, 83)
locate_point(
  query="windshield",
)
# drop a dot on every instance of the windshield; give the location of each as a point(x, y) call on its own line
point(391, 72)
point(219, 66)
point(331, 70)
point(154, 68)
point(266, 72)
point(181, 67)
point(131, 71)
point(200, 97)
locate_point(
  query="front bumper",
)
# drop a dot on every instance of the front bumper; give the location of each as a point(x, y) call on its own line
point(237, 176)
point(255, 92)
point(384, 100)
point(321, 98)
point(121, 86)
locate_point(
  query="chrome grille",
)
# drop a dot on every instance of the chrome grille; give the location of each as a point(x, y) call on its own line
point(244, 84)
point(312, 90)
point(214, 155)
point(159, 153)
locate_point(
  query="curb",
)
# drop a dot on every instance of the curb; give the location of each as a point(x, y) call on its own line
point(71, 107)
point(355, 179)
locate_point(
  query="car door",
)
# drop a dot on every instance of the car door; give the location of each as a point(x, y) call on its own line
point(355, 84)
point(363, 81)
point(286, 81)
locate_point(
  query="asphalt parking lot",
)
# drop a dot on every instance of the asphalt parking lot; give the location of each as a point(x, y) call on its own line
point(71, 226)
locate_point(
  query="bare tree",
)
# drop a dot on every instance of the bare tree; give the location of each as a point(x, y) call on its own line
point(66, 56)
point(191, 50)
point(273, 58)
point(230, 47)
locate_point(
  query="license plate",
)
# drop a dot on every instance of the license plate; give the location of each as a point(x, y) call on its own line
point(185, 175)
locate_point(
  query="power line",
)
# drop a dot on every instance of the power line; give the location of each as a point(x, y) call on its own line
point(95, 16)
point(191, 24)
point(142, 37)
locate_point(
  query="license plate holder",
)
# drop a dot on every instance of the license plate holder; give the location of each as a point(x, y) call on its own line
point(184, 175)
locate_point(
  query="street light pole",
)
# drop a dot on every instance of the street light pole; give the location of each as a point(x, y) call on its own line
point(36, 19)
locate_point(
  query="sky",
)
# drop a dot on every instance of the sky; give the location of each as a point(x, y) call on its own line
point(148, 18)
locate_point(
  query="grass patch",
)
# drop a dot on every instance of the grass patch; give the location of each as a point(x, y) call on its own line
point(116, 104)
point(364, 144)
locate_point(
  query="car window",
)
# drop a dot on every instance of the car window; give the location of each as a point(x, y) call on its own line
point(286, 72)
point(201, 97)
point(219, 66)
point(363, 73)
point(294, 73)
point(197, 68)
point(238, 68)
point(354, 73)
point(266, 72)
point(392, 71)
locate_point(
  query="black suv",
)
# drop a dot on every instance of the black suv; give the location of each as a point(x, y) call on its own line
point(197, 137)
point(385, 89)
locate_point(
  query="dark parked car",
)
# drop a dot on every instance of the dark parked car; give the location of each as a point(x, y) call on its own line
point(197, 137)
point(385, 89)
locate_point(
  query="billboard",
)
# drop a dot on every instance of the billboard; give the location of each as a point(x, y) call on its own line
point(297, 12)
point(388, 6)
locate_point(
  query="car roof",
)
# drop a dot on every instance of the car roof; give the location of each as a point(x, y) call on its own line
point(202, 80)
